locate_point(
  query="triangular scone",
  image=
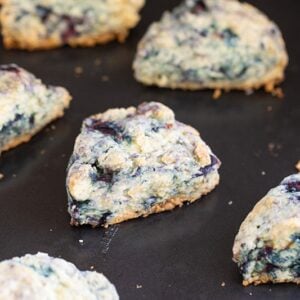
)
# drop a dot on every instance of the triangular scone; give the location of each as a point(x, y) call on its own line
point(26, 105)
point(39, 276)
point(134, 162)
point(267, 247)
point(217, 44)
point(46, 24)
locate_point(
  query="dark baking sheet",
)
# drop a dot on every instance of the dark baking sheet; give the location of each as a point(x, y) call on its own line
point(184, 254)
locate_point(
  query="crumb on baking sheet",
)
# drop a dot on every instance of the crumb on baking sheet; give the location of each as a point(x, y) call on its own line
point(274, 91)
point(92, 267)
point(263, 173)
point(249, 92)
point(78, 71)
point(53, 127)
point(104, 78)
point(80, 242)
point(223, 284)
point(298, 166)
point(277, 92)
point(230, 202)
point(1, 176)
point(257, 153)
point(97, 62)
point(139, 286)
point(274, 149)
point(217, 94)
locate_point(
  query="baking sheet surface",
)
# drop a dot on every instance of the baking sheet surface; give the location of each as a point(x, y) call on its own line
point(184, 254)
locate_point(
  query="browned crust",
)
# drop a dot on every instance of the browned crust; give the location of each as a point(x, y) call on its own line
point(85, 41)
point(27, 136)
point(17, 141)
point(265, 278)
point(269, 82)
point(168, 205)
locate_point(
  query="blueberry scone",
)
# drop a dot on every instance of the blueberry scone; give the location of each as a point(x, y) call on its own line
point(45, 24)
point(267, 247)
point(36, 277)
point(27, 105)
point(134, 162)
point(217, 44)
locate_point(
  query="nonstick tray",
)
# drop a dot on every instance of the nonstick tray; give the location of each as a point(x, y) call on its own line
point(183, 254)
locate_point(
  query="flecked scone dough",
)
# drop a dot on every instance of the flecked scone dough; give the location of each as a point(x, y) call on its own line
point(27, 105)
point(45, 24)
point(267, 247)
point(134, 162)
point(36, 277)
point(217, 44)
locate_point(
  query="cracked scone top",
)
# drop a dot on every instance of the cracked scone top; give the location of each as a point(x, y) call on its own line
point(267, 247)
point(26, 105)
point(134, 162)
point(36, 277)
point(45, 24)
point(218, 44)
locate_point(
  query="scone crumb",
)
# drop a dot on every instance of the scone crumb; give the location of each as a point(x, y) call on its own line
point(230, 202)
point(274, 91)
point(97, 62)
point(139, 286)
point(274, 149)
point(1, 176)
point(80, 242)
point(249, 92)
point(78, 71)
point(92, 267)
point(269, 108)
point(217, 94)
point(223, 284)
point(278, 93)
point(298, 166)
point(104, 78)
